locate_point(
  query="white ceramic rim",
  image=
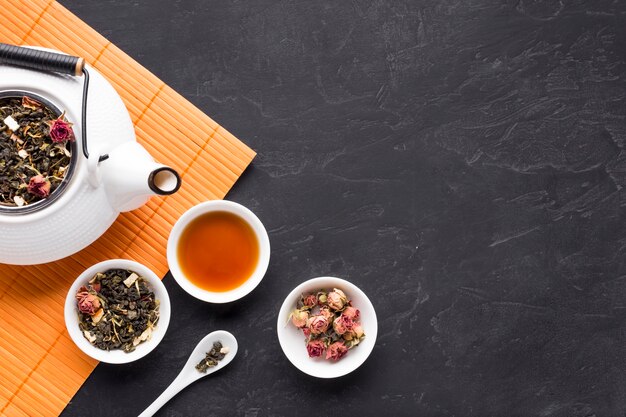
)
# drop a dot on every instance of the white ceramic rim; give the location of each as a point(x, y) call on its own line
point(118, 356)
point(361, 352)
point(262, 264)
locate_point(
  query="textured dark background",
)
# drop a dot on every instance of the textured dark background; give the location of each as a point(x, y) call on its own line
point(460, 160)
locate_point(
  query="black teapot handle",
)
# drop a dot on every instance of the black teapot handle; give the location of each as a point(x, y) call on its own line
point(51, 62)
point(41, 60)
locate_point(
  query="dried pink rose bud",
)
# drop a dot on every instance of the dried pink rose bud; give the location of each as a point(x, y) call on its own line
point(299, 317)
point(325, 311)
point(342, 324)
point(351, 313)
point(336, 351)
point(315, 348)
point(87, 303)
point(306, 332)
point(321, 298)
point(318, 324)
point(61, 130)
point(39, 186)
point(356, 333)
point(309, 300)
point(81, 290)
point(336, 299)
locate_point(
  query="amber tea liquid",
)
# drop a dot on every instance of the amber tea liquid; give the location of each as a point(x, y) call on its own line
point(218, 251)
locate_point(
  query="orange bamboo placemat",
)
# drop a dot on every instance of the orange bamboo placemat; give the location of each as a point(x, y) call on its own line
point(40, 368)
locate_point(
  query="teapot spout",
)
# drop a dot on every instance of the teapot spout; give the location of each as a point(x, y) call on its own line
point(164, 180)
point(130, 177)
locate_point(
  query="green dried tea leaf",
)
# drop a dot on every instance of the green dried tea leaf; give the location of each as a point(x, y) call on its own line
point(216, 354)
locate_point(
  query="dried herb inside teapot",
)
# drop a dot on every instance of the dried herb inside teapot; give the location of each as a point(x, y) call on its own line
point(35, 150)
point(117, 310)
point(212, 357)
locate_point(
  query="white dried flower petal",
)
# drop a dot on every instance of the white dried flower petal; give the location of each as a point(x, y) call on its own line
point(61, 148)
point(97, 316)
point(11, 123)
point(89, 336)
point(130, 280)
point(146, 335)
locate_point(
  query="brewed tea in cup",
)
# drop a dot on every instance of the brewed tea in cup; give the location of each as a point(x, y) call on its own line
point(218, 251)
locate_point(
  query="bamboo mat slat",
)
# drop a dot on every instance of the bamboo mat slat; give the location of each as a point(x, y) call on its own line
point(40, 368)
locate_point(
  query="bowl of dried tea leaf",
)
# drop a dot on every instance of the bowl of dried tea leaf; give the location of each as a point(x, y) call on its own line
point(37, 152)
point(117, 311)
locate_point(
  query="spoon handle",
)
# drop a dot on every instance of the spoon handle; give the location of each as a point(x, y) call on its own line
point(175, 387)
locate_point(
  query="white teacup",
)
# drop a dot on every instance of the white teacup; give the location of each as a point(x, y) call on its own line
point(249, 284)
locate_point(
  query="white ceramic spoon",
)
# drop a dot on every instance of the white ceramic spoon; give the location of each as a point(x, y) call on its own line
point(189, 373)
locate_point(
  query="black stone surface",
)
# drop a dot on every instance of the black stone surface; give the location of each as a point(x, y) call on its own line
point(462, 161)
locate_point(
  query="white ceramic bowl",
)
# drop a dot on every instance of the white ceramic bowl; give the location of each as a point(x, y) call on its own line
point(250, 283)
point(117, 356)
point(292, 341)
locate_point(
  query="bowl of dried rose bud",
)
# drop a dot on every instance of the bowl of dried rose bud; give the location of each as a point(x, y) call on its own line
point(327, 327)
point(117, 311)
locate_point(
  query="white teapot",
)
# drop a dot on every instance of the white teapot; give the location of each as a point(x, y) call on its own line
point(96, 191)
